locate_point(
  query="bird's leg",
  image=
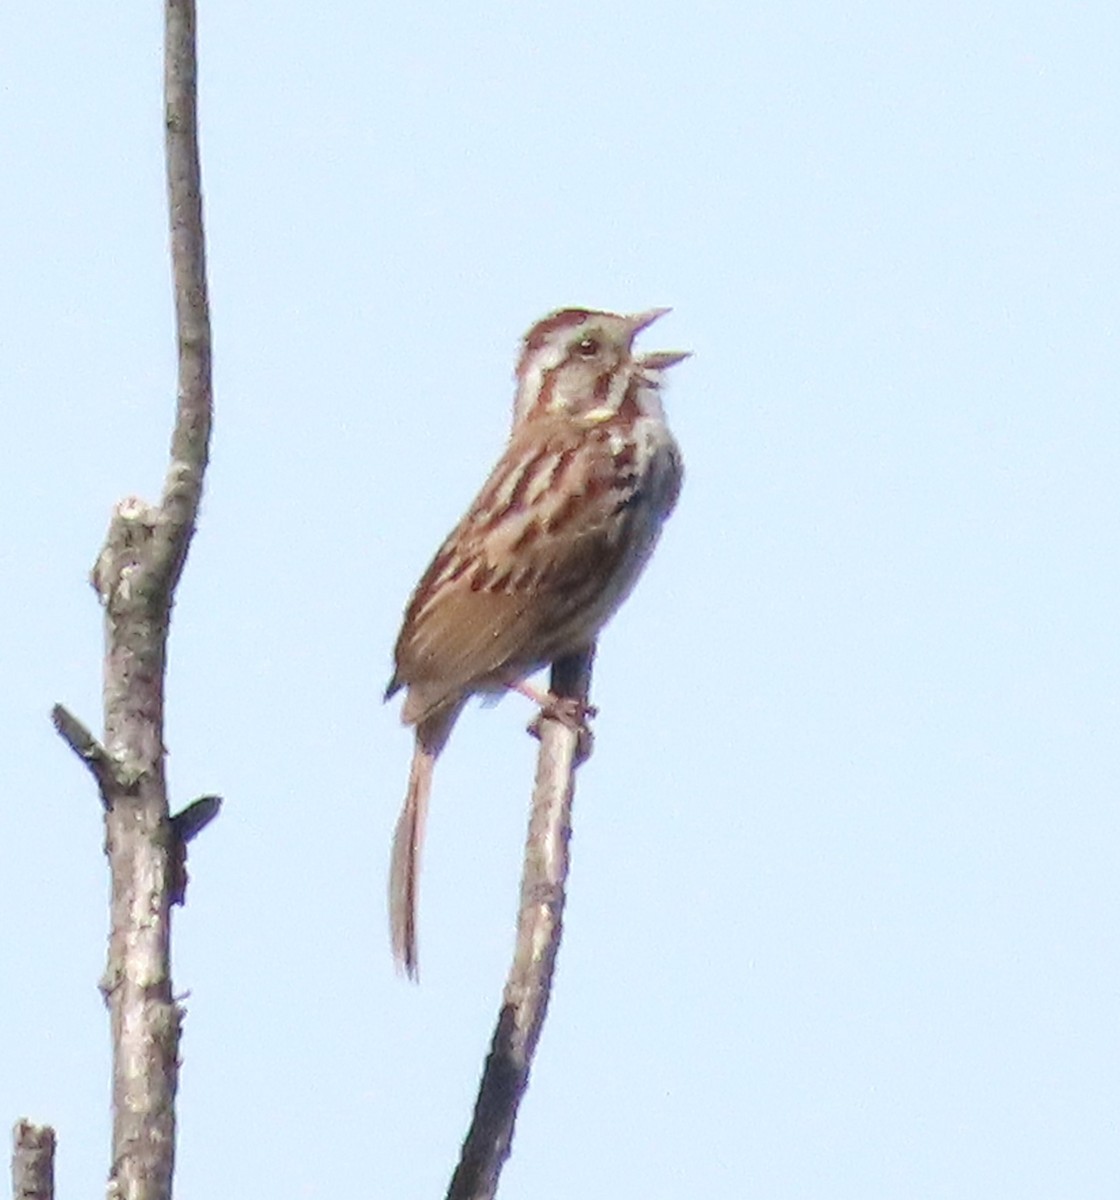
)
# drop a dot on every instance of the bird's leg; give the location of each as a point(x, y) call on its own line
point(568, 710)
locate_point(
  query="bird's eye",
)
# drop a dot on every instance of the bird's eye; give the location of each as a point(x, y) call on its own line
point(588, 347)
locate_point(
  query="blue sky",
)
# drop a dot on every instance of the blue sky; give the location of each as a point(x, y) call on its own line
point(843, 910)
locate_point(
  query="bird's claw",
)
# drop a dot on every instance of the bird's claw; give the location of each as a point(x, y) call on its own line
point(572, 713)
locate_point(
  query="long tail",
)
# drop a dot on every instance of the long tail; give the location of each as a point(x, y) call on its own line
point(404, 870)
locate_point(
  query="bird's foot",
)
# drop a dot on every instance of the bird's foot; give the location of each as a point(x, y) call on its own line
point(570, 711)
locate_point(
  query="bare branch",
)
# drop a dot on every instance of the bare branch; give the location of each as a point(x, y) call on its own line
point(189, 823)
point(186, 826)
point(32, 1162)
point(85, 746)
point(505, 1076)
point(135, 578)
point(190, 441)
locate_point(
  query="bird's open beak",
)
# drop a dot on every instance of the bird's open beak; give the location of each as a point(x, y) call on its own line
point(644, 320)
point(659, 359)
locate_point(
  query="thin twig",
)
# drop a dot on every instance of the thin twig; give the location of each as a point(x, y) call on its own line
point(190, 441)
point(189, 823)
point(186, 826)
point(32, 1162)
point(505, 1076)
point(85, 746)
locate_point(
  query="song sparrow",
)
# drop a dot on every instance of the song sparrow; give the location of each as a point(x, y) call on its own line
point(547, 552)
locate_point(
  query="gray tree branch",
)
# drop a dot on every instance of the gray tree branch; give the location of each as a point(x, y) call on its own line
point(32, 1162)
point(135, 578)
point(505, 1076)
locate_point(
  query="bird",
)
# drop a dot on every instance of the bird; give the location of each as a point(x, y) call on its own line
point(545, 554)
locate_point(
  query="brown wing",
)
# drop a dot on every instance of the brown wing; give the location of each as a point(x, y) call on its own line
point(549, 547)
